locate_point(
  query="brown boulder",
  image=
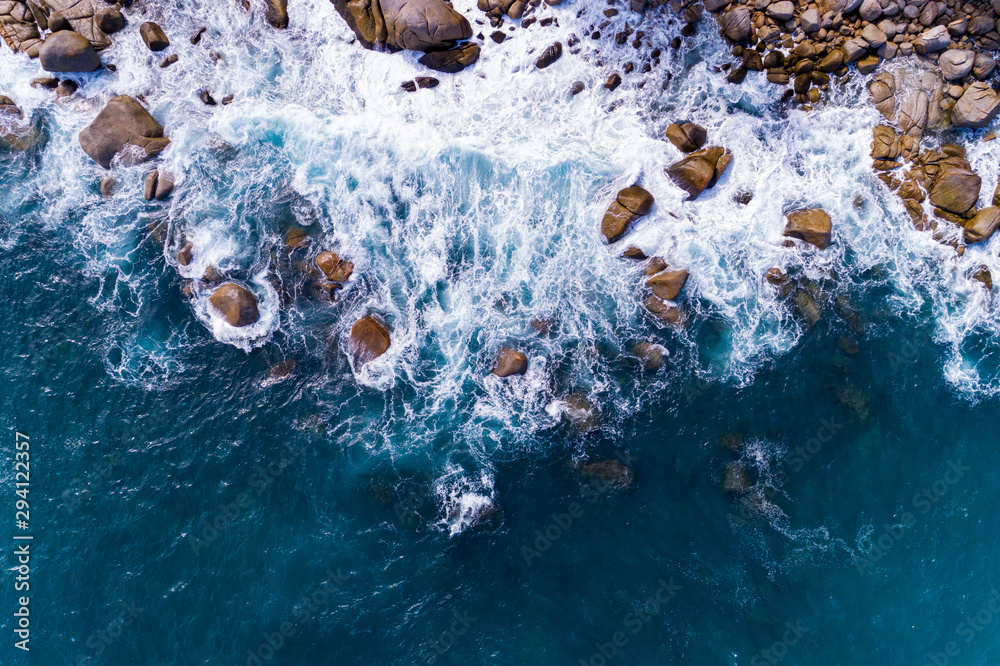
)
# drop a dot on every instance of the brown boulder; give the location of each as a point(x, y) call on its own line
point(977, 107)
point(811, 225)
point(154, 36)
point(277, 13)
point(983, 225)
point(510, 362)
point(369, 339)
point(236, 304)
point(67, 51)
point(122, 123)
point(956, 189)
point(700, 170)
point(631, 203)
point(421, 25)
point(687, 137)
point(334, 268)
point(651, 355)
point(451, 61)
point(668, 284)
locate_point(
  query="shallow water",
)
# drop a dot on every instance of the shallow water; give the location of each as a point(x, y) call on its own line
point(470, 210)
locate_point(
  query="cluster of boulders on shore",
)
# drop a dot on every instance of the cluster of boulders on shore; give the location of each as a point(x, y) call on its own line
point(803, 43)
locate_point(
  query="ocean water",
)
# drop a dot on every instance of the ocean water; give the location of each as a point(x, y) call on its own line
point(190, 504)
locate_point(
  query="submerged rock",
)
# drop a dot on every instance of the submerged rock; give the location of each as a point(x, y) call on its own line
point(369, 339)
point(652, 356)
point(67, 51)
point(236, 305)
point(510, 362)
point(811, 225)
point(123, 124)
point(737, 479)
point(607, 475)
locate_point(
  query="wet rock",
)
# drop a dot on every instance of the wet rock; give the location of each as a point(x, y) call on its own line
point(168, 61)
point(420, 25)
point(608, 475)
point(634, 253)
point(154, 37)
point(206, 97)
point(66, 88)
point(577, 87)
point(369, 339)
point(453, 60)
point(613, 82)
point(110, 20)
point(67, 51)
point(652, 356)
point(868, 64)
point(296, 237)
point(549, 55)
point(982, 274)
point(578, 410)
point(700, 170)
point(832, 61)
point(631, 203)
point(687, 137)
point(57, 22)
point(806, 307)
point(668, 284)
point(510, 362)
point(196, 37)
point(977, 107)
point(665, 311)
point(44, 82)
point(956, 188)
point(123, 124)
point(981, 227)
point(149, 187)
point(956, 63)
point(185, 255)
point(736, 24)
point(107, 186)
point(164, 186)
point(811, 225)
point(334, 268)
point(277, 13)
point(236, 305)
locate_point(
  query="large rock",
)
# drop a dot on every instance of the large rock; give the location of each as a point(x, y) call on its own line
point(549, 55)
point(236, 305)
point(983, 225)
point(153, 35)
point(277, 13)
point(977, 107)
point(453, 60)
point(510, 362)
point(19, 28)
point(668, 284)
point(930, 41)
point(956, 63)
point(334, 268)
point(736, 24)
point(630, 204)
point(110, 20)
point(421, 25)
point(68, 51)
point(811, 225)
point(369, 339)
point(687, 137)
point(83, 18)
point(123, 123)
point(956, 189)
point(700, 170)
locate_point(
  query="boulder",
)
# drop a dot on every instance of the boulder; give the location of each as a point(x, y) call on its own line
point(956, 188)
point(121, 124)
point(185, 254)
point(82, 16)
point(983, 66)
point(736, 24)
point(668, 284)
point(810, 20)
point(110, 20)
point(687, 137)
point(334, 268)
point(164, 186)
point(19, 28)
point(651, 355)
point(630, 204)
point(68, 51)
point(369, 339)
point(983, 225)
point(933, 40)
point(549, 55)
point(913, 111)
point(977, 106)
point(510, 362)
point(873, 36)
point(236, 305)
point(870, 10)
point(811, 225)
point(421, 25)
point(982, 274)
point(781, 11)
point(9, 108)
point(277, 13)
point(453, 60)
point(149, 185)
point(154, 36)
point(737, 479)
point(700, 170)
point(956, 63)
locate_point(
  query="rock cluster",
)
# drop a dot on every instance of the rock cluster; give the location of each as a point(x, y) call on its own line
point(123, 127)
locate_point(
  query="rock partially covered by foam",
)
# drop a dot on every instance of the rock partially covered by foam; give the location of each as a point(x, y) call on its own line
point(452, 60)
point(510, 362)
point(369, 339)
point(67, 51)
point(811, 225)
point(122, 123)
point(630, 204)
point(236, 305)
point(277, 13)
point(700, 170)
point(420, 25)
point(687, 137)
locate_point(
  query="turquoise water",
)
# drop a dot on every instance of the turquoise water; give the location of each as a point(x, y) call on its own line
point(192, 505)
